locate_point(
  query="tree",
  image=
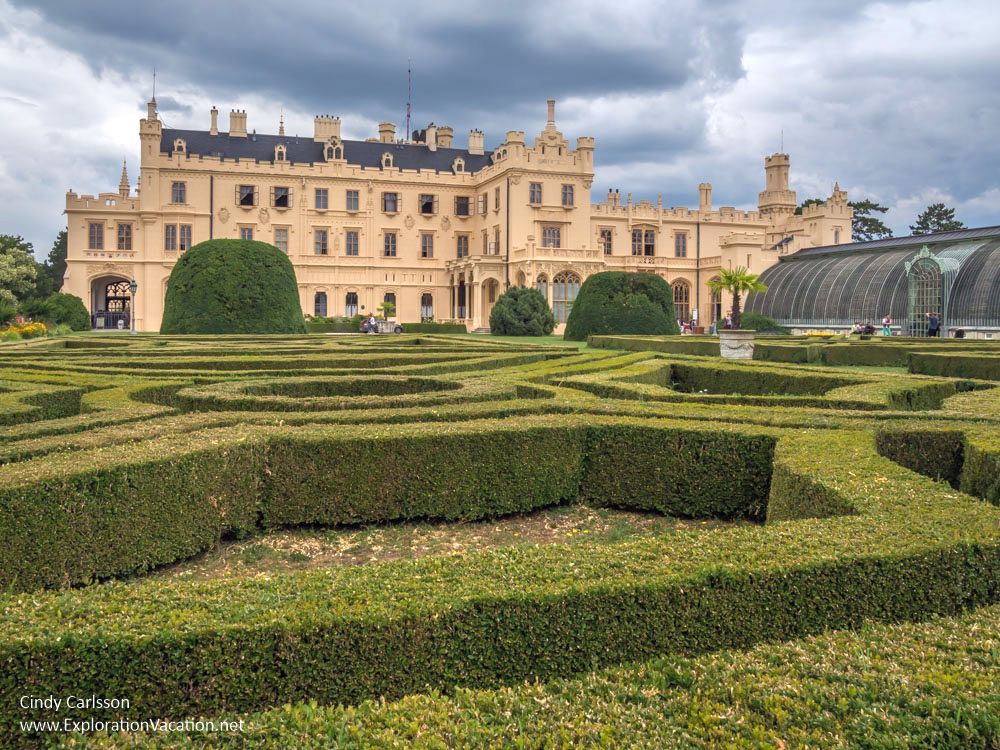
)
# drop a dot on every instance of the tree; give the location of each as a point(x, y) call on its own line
point(614, 302)
point(738, 282)
point(521, 312)
point(18, 269)
point(936, 218)
point(808, 202)
point(55, 264)
point(387, 309)
point(865, 226)
point(67, 309)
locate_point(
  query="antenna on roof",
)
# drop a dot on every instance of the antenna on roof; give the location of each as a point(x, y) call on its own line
point(409, 94)
point(154, 83)
point(781, 142)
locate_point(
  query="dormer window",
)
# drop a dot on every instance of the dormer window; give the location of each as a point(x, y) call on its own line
point(180, 147)
point(333, 151)
point(458, 166)
point(280, 152)
point(386, 160)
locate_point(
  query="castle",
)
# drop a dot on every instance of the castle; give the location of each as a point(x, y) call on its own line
point(437, 229)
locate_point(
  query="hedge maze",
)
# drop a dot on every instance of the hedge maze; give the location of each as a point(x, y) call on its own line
point(865, 478)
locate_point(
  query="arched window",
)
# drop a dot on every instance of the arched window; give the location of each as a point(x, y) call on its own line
point(426, 307)
point(458, 165)
point(180, 146)
point(386, 160)
point(351, 304)
point(542, 285)
point(521, 278)
point(715, 300)
point(319, 305)
point(925, 294)
point(390, 299)
point(682, 300)
point(565, 287)
point(280, 152)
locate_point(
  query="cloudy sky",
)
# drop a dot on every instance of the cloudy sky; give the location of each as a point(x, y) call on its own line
point(899, 101)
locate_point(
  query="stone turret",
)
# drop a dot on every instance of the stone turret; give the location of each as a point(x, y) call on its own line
point(705, 197)
point(476, 142)
point(325, 128)
point(387, 132)
point(214, 129)
point(777, 200)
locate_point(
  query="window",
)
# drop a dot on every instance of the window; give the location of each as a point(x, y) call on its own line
point(322, 199)
point(482, 204)
point(124, 236)
point(567, 195)
point(246, 195)
point(606, 241)
point(246, 233)
point(170, 237)
point(636, 242)
point(178, 192)
point(390, 203)
point(281, 239)
point(551, 237)
point(462, 246)
point(643, 242)
point(426, 245)
point(351, 304)
point(542, 285)
point(462, 205)
point(353, 200)
point(535, 193)
point(351, 242)
point(389, 245)
point(321, 239)
point(319, 305)
point(281, 197)
point(426, 307)
point(280, 152)
point(390, 299)
point(95, 235)
point(496, 199)
point(486, 242)
point(681, 245)
point(836, 236)
point(185, 233)
point(682, 301)
point(428, 205)
point(496, 241)
point(565, 287)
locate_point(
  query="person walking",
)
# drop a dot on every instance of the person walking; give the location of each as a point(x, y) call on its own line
point(887, 325)
point(933, 325)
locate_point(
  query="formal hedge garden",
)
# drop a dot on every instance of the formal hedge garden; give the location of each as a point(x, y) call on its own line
point(842, 591)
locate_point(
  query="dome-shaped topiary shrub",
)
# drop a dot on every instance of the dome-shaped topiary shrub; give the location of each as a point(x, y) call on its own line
point(232, 286)
point(521, 312)
point(618, 302)
point(67, 309)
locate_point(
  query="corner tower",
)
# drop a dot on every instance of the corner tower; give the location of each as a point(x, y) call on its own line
point(777, 201)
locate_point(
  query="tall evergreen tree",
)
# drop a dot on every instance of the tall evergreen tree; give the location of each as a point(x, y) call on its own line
point(55, 264)
point(865, 226)
point(936, 218)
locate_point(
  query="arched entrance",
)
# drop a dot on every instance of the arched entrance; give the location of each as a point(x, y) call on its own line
point(925, 294)
point(110, 303)
point(491, 290)
point(565, 286)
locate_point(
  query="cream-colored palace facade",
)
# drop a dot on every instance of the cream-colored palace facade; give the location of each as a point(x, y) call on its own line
point(440, 231)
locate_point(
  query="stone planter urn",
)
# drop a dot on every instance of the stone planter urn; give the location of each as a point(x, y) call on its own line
point(736, 344)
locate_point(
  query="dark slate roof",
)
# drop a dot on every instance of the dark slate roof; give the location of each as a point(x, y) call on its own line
point(304, 150)
point(894, 243)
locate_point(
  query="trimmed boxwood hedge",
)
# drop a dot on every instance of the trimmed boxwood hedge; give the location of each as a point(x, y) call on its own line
point(618, 302)
point(433, 327)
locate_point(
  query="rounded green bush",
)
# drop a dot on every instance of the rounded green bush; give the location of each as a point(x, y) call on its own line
point(232, 286)
point(67, 309)
point(756, 321)
point(521, 312)
point(618, 302)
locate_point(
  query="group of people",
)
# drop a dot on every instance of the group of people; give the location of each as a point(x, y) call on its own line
point(933, 326)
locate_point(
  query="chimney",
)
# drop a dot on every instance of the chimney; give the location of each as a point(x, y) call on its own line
point(326, 127)
point(386, 132)
point(238, 123)
point(476, 142)
point(551, 124)
point(705, 197)
point(214, 130)
point(444, 136)
point(431, 137)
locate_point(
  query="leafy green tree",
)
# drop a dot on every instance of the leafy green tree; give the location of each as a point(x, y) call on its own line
point(521, 312)
point(18, 269)
point(67, 309)
point(613, 302)
point(865, 226)
point(936, 218)
point(55, 264)
point(808, 202)
point(738, 282)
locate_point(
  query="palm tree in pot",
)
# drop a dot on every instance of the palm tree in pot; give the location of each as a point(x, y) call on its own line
point(737, 343)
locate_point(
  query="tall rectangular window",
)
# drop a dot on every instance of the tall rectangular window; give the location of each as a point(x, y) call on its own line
point(496, 240)
point(185, 237)
point(567, 195)
point(486, 242)
point(281, 239)
point(606, 241)
point(246, 233)
point(462, 205)
point(649, 242)
point(681, 245)
point(428, 205)
point(496, 198)
point(462, 246)
point(246, 196)
point(353, 200)
point(551, 237)
point(351, 242)
point(389, 245)
point(482, 199)
point(322, 198)
point(124, 236)
point(535, 193)
point(321, 239)
point(390, 203)
point(636, 242)
point(351, 304)
point(281, 197)
point(95, 235)
point(426, 245)
point(178, 192)
point(170, 237)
